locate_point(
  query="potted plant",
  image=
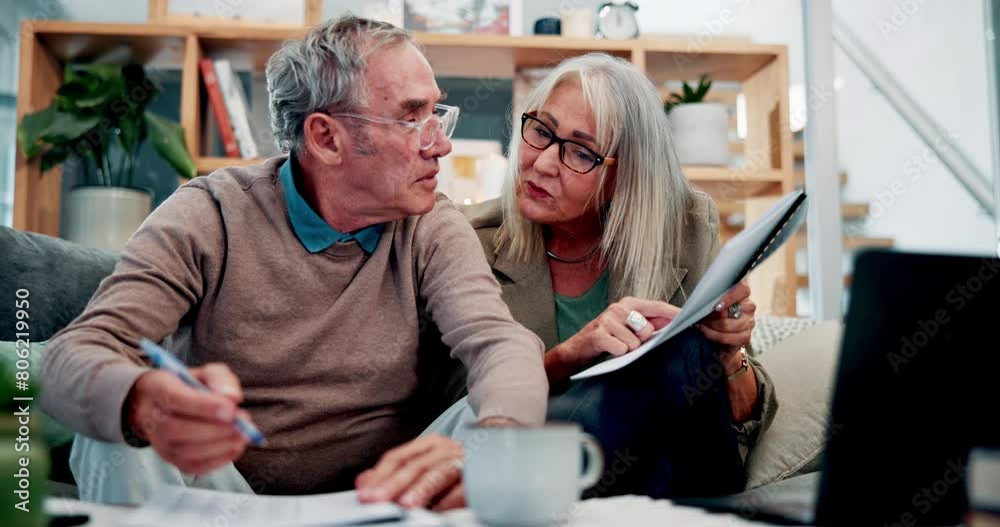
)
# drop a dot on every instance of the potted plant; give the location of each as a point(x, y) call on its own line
point(700, 130)
point(97, 124)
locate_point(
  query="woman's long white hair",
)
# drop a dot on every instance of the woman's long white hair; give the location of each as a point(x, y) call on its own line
point(644, 218)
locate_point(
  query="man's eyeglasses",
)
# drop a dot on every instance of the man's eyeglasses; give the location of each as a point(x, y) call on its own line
point(443, 119)
point(573, 155)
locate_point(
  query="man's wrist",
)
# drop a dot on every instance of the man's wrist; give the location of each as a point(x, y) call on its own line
point(131, 430)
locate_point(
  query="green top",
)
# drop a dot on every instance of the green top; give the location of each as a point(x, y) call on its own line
point(575, 312)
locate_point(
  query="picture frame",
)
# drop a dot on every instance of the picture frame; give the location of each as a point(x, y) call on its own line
point(492, 17)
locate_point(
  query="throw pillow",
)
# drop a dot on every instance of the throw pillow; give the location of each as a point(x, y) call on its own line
point(771, 330)
point(802, 368)
point(55, 433)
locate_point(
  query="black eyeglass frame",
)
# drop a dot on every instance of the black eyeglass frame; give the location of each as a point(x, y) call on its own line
point(599, 160)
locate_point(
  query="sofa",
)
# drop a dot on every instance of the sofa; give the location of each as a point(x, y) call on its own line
point(799, 354)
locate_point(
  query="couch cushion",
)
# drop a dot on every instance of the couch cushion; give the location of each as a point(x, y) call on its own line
point(60, 278)
point(802, 368)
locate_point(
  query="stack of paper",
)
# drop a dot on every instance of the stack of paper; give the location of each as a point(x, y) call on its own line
point(175, 506)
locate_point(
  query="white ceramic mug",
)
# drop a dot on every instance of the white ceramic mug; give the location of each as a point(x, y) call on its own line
point(527, 476)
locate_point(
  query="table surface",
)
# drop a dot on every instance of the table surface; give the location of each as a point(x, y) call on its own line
point(624, 510)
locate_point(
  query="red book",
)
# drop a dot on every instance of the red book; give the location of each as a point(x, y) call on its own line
point(219, 108)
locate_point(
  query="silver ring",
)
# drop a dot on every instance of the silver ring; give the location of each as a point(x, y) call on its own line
point(636, 321)
point(736, 310)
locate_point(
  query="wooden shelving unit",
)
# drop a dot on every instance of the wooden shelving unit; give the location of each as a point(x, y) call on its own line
point(760, 70)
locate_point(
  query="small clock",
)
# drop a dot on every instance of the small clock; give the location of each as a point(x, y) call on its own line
point(617, 21)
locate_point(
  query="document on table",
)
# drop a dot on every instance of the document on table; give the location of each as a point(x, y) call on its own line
point(174, 506)
point(735, 260)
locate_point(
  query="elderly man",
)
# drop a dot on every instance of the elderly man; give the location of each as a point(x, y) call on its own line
point(297, 285)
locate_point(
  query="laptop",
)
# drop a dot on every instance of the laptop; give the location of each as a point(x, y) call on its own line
point(916, 388)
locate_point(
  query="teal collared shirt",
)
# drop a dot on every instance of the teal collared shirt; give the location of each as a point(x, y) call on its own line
point(315, 234)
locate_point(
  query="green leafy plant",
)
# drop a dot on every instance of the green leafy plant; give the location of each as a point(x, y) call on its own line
point(96, 107)
point(688, 94)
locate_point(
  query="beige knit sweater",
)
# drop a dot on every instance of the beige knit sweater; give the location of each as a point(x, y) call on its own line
point(324, 344)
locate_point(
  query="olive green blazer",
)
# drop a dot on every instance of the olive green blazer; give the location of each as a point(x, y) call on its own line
point(527, 288)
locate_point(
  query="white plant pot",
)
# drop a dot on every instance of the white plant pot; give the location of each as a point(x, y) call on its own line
point(105, 217)
point(701, 133)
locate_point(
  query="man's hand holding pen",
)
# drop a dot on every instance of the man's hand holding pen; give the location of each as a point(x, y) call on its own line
point(191, 429)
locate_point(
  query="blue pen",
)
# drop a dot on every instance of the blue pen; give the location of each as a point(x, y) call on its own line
point(164, 360)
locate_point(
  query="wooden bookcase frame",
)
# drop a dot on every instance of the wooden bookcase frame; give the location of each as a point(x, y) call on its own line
point(761, 70)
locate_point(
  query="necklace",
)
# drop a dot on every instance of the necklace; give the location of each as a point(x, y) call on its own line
point(578, 260)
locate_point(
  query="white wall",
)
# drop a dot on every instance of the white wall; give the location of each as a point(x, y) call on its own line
point(937, 54)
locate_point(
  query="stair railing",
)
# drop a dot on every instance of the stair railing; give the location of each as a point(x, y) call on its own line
point(951, 155)
point(992, 17)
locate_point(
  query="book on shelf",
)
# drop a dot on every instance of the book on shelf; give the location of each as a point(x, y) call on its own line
point(236, 104)
point(219, 111)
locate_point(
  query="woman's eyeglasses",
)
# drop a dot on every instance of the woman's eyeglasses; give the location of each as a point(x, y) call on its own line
point(573, 155)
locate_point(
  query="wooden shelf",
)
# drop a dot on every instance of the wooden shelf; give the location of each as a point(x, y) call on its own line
point(847, 210)
point(761, 72)
point(207, 165)
point(853, 243)
point(500, 56)
point(155, 46)
point(492, 56)
point(803, 281)
point(673, 59)
point(468, 55)
point(727, 184)
point(697, 174)
point(854, 211)
point(731, 175)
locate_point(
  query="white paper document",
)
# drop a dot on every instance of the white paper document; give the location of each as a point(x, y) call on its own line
point(736, 258)
point(176, 506)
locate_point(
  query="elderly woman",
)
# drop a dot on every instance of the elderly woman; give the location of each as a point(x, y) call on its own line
point(596, 242)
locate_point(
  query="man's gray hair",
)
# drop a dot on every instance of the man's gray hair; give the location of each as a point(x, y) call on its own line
point(323, 71)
